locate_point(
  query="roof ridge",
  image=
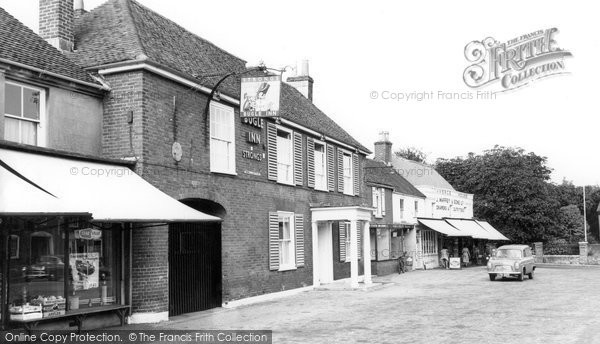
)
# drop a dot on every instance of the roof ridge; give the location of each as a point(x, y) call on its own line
point(133, 24)
point(176, 24)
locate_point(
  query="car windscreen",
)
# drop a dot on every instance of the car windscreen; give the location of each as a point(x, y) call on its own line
point(508, 253)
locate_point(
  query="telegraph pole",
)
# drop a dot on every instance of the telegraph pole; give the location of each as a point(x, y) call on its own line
point(584, 219)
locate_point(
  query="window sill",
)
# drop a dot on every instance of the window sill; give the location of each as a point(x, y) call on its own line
point(322, 190)
point(286, 183)
point(224, 172)
point(287, 268)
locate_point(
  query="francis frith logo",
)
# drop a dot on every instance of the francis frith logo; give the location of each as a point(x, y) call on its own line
point(516, 62)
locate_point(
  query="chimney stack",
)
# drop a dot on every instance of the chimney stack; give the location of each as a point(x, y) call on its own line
point(79, 9)
point(56, 23)
point(302, 81)
point(383, 148)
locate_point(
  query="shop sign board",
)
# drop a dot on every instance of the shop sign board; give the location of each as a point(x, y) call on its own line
point(88, 234)
point(260, 96)
point(455, 263)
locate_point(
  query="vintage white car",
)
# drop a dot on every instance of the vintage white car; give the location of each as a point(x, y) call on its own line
point(511, 261)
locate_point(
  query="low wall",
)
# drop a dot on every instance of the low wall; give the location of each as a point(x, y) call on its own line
point(560, 259)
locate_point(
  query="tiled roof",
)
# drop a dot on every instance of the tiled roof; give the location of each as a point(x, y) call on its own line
point(20, 44)
point(122, 30)
point(377, 172)
point(298, 109)
point(419, 174)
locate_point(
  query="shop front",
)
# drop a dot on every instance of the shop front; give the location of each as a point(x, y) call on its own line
point(66, 225)
point(389, 243)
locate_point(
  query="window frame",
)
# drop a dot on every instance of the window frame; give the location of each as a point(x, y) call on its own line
point(318, 187)
point(232, 157)
point(348, 186)
point(41, 134)
point(292, 241)
point(401, 208)
point(291, 151)
point(347, 241)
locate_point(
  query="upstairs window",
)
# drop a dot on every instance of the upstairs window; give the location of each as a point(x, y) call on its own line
point(401, 208)
point(320, 167)
point(222, 139)
point(348, 172)
point(416, 208)
point(24, 114)
point(285, 157)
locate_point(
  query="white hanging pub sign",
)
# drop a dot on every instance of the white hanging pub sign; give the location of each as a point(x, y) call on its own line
point(260, 96)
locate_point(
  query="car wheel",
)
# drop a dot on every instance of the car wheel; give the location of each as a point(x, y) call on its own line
point(522, 276)
point(530, 275)
point(492, 277)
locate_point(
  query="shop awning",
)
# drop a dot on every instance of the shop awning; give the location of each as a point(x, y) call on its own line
point(493, 231)
point(470, 227)
point(111, 193)
point(443, 227)
point(19, 197)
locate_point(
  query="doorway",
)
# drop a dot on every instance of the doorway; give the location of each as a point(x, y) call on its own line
point(325, 252)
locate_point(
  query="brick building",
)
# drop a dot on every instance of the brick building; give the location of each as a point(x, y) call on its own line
point(280, 185)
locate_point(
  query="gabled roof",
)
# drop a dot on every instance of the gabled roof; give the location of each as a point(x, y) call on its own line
point(378, 173)
point(124, 30)
point(419, 174)
point(20, 44)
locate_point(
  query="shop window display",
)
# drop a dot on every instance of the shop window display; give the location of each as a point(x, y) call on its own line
point(57, 265)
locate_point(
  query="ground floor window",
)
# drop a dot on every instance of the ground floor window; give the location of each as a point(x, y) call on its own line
point(60, 264)
point(389, 243)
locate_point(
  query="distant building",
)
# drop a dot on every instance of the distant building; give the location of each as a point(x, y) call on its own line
point(447, 215)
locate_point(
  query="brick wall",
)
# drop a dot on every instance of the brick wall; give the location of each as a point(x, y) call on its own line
point(56, 22)
point(150, 270)
point(165, 111)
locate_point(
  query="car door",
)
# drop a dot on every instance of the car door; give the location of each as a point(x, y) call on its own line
point(528, 260)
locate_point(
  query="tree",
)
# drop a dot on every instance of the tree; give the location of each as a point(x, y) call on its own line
point(511, 190)
point(412, 153)
point(570, 221)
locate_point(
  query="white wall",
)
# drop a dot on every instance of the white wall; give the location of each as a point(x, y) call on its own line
point(447, 203)
point(409, 215)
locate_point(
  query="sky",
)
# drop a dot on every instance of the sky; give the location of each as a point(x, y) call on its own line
point(362, 54)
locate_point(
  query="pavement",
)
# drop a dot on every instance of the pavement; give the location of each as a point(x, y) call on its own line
point(433, 306)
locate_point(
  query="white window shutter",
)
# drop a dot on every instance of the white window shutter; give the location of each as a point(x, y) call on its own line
point(342, 236)
point(272, 151)
point(273, 241)
point(356, 175)
point(299, 227)
point(330, 168)
point(310, 161)
point(340, 170)
point(298, 170)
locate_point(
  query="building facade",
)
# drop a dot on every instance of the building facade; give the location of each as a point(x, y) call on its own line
point(288, 190)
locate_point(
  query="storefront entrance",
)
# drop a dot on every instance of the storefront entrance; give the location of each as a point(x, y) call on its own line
point(194, 267)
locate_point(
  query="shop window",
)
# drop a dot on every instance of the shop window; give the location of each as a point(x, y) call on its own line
point(286, 242)
point(14, 248)
point(390, 243)
point(61, 265)
point(320, 167)
point(24, 114)
point(222, 139)
point(285, 157)
point(348, 174)
point(429, 242)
